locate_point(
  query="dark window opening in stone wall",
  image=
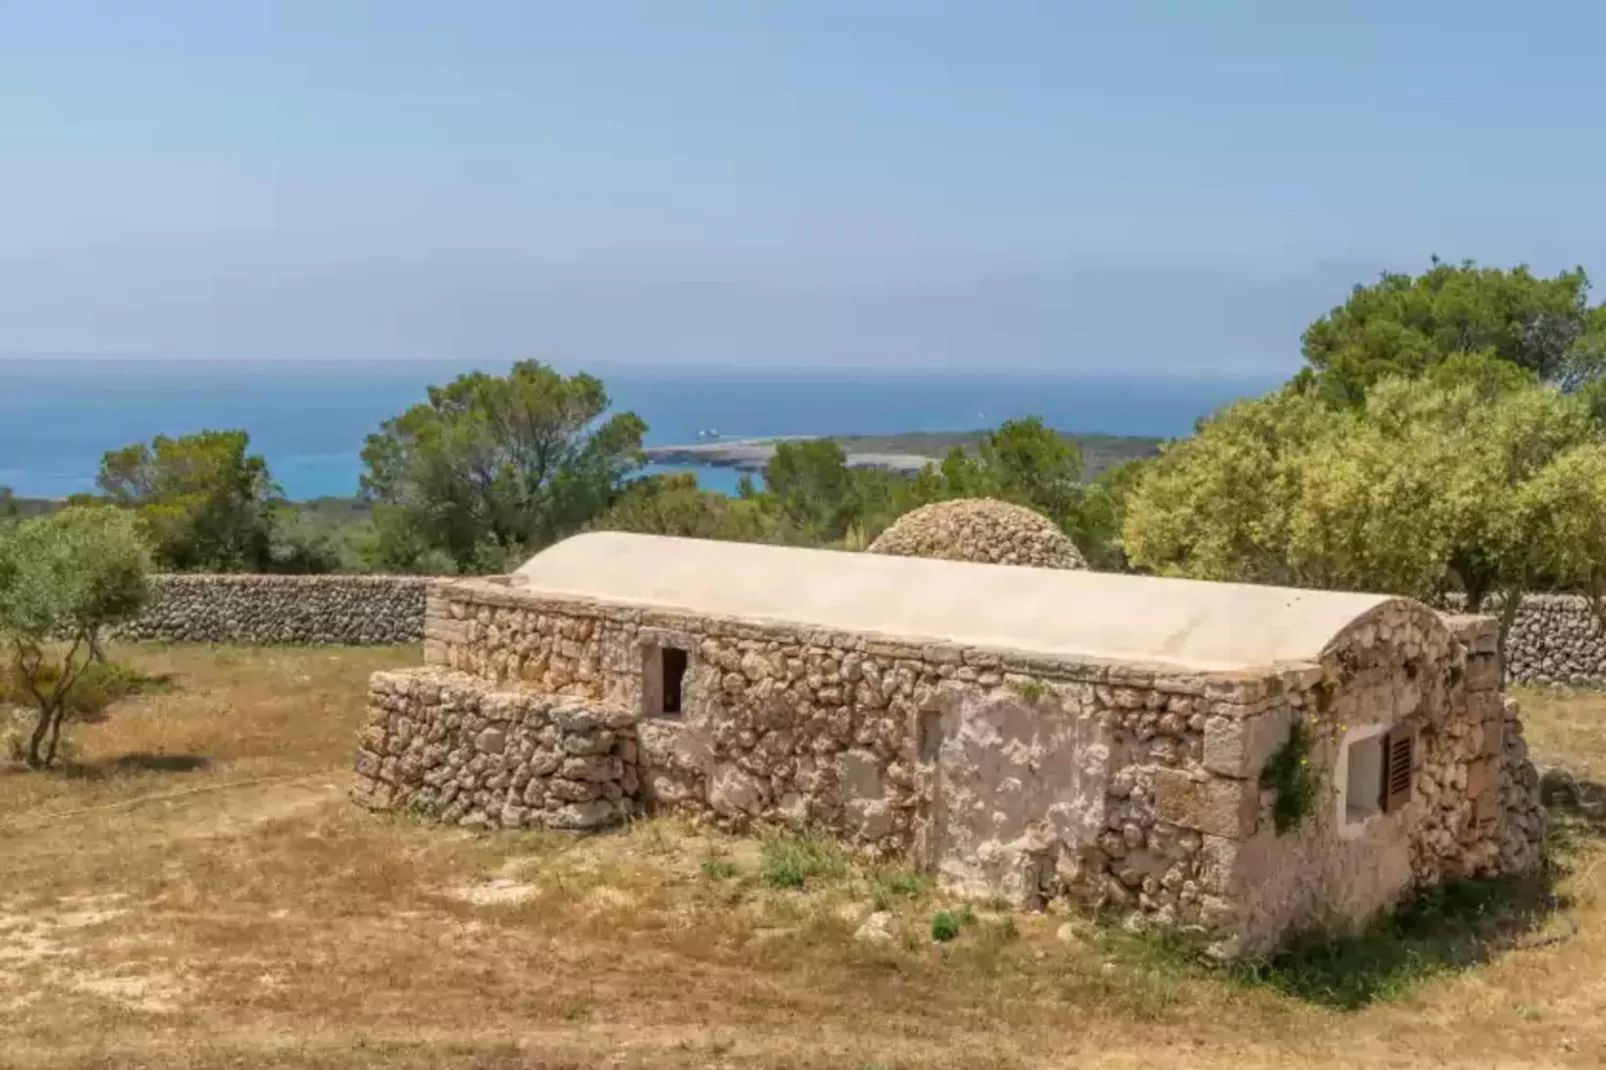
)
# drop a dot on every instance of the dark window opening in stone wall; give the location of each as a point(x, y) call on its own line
point(674, 676)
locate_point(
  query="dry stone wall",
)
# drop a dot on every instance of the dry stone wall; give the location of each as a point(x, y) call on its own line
point(440, 744)
point(980, 529)
point(267, 609)
point(1556, 639)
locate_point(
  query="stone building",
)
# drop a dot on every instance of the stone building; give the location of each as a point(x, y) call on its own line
point(1236, 761)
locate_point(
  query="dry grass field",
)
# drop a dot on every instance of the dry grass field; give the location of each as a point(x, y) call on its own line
point(192, 890)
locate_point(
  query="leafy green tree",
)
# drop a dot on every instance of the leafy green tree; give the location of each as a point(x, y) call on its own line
point(1218, 505)
point(1559, 524)
point(1403, 326)
point(64, 578)
point(8, 505)
point(205, 502)
point(1418, 491)
point(1586, 361)
point(492, 468)
point(1096, 529)
point(304, 544)
point(676, 505)
point(1032, 465)
point(810, 488)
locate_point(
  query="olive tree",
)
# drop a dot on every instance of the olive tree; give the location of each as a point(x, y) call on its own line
point(1561, 522)
point(1421, 490)
point(63, 579)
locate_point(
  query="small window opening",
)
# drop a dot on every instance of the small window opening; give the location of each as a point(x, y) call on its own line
point(1364, 759)
point(671, 681)
point(930, 735)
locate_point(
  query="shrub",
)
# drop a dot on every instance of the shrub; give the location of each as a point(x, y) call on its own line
point(946, 925)
point(100, 684)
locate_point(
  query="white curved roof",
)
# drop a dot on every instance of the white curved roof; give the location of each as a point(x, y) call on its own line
point(1187, 623)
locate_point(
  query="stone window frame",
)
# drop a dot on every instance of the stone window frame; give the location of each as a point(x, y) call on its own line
point(1377, 734)
point(650, 643)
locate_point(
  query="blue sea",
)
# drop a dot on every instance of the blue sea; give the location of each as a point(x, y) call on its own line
point(57, 417)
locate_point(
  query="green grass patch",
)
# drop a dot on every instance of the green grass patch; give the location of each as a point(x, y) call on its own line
point(946, 925)
point(720, 869)
point(798, 861)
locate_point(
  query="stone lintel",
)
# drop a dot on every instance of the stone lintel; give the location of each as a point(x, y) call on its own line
point(1214, 805)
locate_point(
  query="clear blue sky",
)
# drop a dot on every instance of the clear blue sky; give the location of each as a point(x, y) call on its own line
point(1124, 186)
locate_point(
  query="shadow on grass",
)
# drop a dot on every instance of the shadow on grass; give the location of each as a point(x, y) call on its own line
point(124, 764)
point(1442, 930)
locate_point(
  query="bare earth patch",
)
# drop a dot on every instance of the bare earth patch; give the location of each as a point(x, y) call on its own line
point(231, 909)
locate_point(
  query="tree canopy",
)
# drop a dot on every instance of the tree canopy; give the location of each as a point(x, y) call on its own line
point(65, 577)
point(204, 501)
point(1422, 489)
point(493, 468)
point(676, 505)
point(1403, 326)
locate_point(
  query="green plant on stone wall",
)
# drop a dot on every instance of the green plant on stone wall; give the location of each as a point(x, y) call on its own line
point(1030, 690)
point(1288, 773)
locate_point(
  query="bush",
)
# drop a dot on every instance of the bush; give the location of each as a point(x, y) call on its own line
point(99, 685)
point(946, 925)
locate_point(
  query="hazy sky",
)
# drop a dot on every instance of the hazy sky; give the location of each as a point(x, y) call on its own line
point(1123, 186)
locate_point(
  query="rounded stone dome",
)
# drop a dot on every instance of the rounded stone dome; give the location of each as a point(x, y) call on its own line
point(980, 529)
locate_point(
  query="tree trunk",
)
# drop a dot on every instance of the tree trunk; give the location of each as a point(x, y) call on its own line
point(38, 738)
point(55, 734)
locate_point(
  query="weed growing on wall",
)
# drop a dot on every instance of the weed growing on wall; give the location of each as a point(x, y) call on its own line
point(1288, 773)
point(1030, 690)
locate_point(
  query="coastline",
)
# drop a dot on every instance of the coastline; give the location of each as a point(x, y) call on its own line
point(905, 453)
point(751, 455)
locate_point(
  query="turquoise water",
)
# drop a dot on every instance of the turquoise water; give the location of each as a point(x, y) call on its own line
point(309, 420)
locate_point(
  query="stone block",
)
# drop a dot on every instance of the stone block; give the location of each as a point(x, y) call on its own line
point(582, 816)
point(732, 792)
point(1214, 805)
point(1480, 777)
point(1483, 672)
point(1494, 738)
point(1239, 747)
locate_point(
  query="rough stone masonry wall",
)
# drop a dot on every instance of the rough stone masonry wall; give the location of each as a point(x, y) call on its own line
point(248, 609)
point(1134, 790)
point(1026, 776)
point(441, 744)
point(1556, 639)
point(796, 728)
point(1474, 809)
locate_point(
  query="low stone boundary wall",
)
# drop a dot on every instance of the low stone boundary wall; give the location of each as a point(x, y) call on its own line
point(1556, 639)
point(450, 746)
point(249, 609)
